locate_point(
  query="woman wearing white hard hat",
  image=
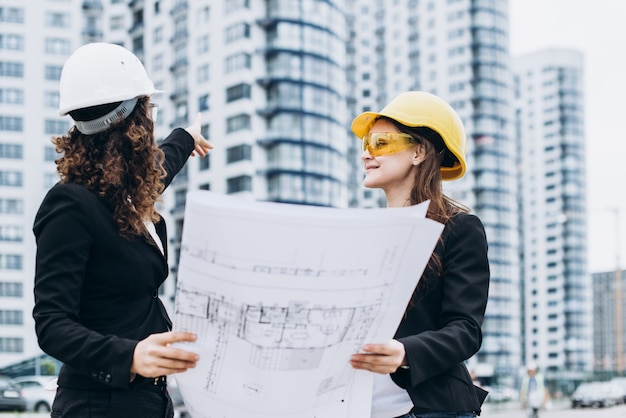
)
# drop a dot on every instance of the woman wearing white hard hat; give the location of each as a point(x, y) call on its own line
point(409, 147)
point(102, 246)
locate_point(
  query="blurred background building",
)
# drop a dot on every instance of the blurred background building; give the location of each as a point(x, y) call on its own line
point(557, 303)
point(278, 83)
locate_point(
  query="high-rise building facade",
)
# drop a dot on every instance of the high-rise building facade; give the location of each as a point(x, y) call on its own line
point(551, 152)
point(459, 51)
point(609, 322)
point(35, 40)
point(269, 81)
point(277, 84)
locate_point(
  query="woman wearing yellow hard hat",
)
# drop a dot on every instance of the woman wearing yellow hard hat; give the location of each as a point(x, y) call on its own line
point(408, 148)
point(102, 245)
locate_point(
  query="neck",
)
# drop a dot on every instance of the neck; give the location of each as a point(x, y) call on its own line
point(397, 200)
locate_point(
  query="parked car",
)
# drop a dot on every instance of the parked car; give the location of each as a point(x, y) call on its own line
point(501, 394)
point(11, 398)
point(597, 395)
point(621, 381)
point(39, 391)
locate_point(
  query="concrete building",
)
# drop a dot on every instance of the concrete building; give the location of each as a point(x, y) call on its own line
point(459, 51)
point(551, 156)
point(35, 40)
point(277, 84)
point(609, 323)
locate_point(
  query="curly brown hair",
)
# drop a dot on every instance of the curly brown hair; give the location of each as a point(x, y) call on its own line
point(123, 165)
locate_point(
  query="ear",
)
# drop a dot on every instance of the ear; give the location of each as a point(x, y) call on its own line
point(419, 155)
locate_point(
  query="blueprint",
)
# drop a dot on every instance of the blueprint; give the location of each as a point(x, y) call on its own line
point(281, 296)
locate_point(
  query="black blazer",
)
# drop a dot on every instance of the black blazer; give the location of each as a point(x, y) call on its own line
point(96, 293)
point(442, 325)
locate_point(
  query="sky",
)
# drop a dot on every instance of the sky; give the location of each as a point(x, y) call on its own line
point(597, 28)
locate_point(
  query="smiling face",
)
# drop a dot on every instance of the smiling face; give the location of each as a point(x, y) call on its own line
point(394, 173)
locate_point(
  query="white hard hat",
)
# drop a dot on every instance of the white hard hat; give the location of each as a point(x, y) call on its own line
point(101, 73)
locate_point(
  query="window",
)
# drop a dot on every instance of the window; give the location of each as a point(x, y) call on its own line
point(237, 123)
point(237, 31)
point(204, 163)
point(157, 63)
point(203, 15)
point(116, 22)
point(53, 72)
point(57, 46)
point(238, 153)
point(203, 73)
point(181, 111)
point(138, 43)
point(11, 290)
point(157, 35)
point(203, 103)
point(180, 199)
point(11, 178)
point(11, 233)
point(12, 42)
point(49, 153)
point(10, 262)
point(234, 5)
point(11, 317)
point(51, 99)
point(11, 206)
point(11, 14)
point(205, 186)
point(238, 184)
point(13, 151)
point(57, 20)
point(56, 127)
point(11, 96)
point(203, 44)
point(49, 180)
point(205, 130)
point(12, 69)
point(238, 61)
point(11, 123)
point(237, 92)
point(11, 345)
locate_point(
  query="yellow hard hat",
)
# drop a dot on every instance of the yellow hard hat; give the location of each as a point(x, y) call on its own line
point(422, 109)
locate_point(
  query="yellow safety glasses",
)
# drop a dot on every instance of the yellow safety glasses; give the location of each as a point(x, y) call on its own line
point(385, 143)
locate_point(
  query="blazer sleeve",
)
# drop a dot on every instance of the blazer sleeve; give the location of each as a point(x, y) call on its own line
point(465, 285)
point(177, 147)
point(64, 235)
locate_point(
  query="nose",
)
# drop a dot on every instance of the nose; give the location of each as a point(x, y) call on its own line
point(365, 155)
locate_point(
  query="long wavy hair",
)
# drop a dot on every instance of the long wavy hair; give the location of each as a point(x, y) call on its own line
point(428, 185)
point(122, 165)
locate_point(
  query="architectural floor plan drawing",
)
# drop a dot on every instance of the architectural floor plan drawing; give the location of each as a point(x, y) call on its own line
point(280, 296)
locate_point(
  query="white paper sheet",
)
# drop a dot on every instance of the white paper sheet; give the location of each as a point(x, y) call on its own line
point(281, 296)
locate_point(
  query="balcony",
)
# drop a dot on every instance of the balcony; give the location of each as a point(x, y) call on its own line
point(180, 36)
point(179, 94)
point(179, 8)
point(92, 5)
point(179, 64)
point(136, 4)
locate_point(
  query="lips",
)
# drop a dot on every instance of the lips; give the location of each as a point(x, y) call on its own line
point(370, 166)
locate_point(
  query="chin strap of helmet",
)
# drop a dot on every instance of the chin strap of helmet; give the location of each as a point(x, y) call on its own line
point(103, 123)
